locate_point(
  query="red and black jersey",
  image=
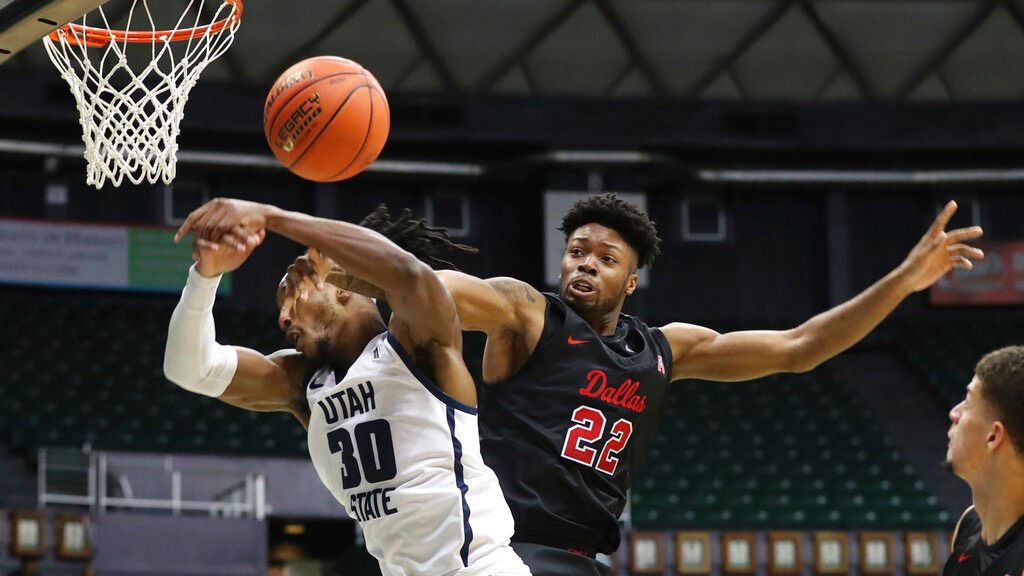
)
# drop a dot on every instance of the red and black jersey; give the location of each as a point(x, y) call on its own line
point(971, 556)
point(567, 433)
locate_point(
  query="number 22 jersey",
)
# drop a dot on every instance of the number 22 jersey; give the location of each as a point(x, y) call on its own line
point(566, 434)
point(403, 459)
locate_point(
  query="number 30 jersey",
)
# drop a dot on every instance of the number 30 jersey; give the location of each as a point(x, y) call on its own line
point(403, 458)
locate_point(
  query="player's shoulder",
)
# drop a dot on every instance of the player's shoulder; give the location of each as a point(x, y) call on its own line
point(515, 290)
point(287, 357)
point(683, 336)
point(968, 526)
point(295, 364)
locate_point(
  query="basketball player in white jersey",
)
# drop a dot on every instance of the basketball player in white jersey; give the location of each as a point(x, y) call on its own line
point(391, 409)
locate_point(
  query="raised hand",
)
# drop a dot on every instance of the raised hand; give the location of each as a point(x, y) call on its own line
point(229, 223)
point(212, 260)
point(939, 251)
point(314, 268)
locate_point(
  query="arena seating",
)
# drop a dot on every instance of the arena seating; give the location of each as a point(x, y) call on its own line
point(791, 451)
point(94, 375)
point(945, 351)
point(784, 452)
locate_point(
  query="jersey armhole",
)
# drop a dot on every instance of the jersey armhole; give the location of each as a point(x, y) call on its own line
point(665, 352)
point(546, 331)
point(956, 531)
point(425, 380)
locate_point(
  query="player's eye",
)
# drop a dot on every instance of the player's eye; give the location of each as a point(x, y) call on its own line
point(609, 259)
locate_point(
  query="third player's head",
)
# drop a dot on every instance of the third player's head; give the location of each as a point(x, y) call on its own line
point(325, 324)
point(606, 241)
point(986, 438)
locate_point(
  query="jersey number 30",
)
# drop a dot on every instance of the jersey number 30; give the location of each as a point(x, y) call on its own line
point(376, 453)
point(589, 429)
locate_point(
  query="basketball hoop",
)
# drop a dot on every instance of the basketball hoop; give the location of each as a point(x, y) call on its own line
point(131, 111)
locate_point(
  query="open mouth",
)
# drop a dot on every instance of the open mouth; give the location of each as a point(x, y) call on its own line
point(292, 336)
point(581, 286)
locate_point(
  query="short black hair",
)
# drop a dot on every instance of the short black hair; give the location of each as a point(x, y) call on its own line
point(1002, 376)
point(414, 235)
point(610, 211)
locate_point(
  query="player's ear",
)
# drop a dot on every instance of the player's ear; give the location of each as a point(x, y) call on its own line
point(342, 296)
point(996, 435)
point(631, 283)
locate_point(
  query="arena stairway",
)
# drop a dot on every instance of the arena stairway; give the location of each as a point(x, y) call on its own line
point(17, 482)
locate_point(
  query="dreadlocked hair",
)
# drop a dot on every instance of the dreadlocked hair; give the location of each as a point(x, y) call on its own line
point(414, 235)
point(612, 212)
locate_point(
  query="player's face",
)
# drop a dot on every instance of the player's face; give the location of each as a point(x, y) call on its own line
point(598, 270)
point(969, 432)
point(309, 322)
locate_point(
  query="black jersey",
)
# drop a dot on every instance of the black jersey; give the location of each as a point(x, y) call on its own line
point(970, 555)
point(566, 434)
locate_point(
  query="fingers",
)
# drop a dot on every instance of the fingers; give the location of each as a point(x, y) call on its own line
point(301, 278)
point(204, 224)
point(189, 223)
point(202, 244)
point(966, 251)
point(306, 267)
point(964, 234)
point(315, 256)
point(961, 262)
point(233, 241)
point(942, 219)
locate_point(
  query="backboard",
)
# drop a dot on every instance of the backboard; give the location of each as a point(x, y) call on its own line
point(23, 22)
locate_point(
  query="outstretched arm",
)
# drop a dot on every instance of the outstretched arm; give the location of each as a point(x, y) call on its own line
point(415, 294)
point(239, 376)
point(705, 354)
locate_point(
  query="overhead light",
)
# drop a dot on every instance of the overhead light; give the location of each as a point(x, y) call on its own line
point(862, 176)
point(294, 529)
point(251, 160)
point(601, 156)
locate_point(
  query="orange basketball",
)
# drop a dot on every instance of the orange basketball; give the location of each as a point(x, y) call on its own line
point(326, 119)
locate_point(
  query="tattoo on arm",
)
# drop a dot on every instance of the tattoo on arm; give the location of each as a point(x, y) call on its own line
point(347, 281)
point(528, 294)
point(515, 290)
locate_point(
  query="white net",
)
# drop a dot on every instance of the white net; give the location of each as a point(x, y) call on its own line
point(131, 84)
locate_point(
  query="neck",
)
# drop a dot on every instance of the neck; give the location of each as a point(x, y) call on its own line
point(350, 340)
point(605, 324)
point(999, 501)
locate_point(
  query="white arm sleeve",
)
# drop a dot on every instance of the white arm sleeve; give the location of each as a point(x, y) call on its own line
point(193, 359)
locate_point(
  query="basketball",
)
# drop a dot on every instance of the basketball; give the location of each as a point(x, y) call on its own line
point(326, 119)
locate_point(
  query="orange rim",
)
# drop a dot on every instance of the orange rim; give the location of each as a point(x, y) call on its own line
point(77, 34)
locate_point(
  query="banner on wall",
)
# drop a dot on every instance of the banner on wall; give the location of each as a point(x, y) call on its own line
point(60, 255)
point(998, 280)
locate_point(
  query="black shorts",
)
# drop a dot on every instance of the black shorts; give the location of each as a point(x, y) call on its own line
point(549, 561)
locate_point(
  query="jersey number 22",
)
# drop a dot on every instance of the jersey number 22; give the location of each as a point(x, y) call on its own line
point(580, 439)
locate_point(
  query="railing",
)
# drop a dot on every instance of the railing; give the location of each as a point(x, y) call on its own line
point(114, 480)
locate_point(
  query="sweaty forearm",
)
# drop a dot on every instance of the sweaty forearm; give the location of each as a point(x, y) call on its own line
point(363, 253)
point(192, 358)
point(832, 332)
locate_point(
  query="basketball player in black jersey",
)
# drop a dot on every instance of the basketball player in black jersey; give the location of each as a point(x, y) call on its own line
point(986, 449)
point(575, 389)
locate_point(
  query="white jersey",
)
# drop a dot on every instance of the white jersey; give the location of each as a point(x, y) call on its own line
point(403, 458)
